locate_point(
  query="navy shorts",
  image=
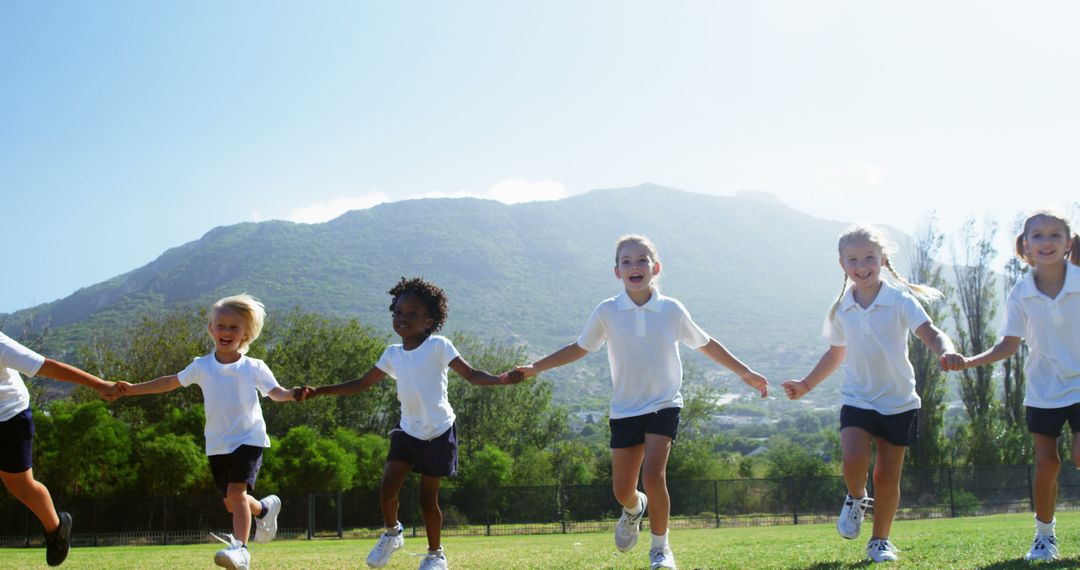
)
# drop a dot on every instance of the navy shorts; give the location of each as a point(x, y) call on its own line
point(1049, 421)
point(628, 432)
point(17, 443)
point(898, 429)
point(436, 457)
point(240, 466)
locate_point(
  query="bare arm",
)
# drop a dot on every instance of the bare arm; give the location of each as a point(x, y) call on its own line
point(482, 378)
point(67, 373)
point(1005, 348)
point(352, 386)
point(827, 364)
point(721, 356)
point(281, 394)
point(941, 345)
point(155, 386)
point(564, 355)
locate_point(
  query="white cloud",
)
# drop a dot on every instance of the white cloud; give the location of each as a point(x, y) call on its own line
point(517, 190)
point(330, 209)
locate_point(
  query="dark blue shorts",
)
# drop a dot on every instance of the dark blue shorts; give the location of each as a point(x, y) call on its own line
point(17, 443)
point(898, 429)
point(1049, 421)
point(437, 457)
point(240, 466)
point(628, 432)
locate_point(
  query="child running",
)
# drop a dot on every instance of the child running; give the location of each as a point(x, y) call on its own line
point(235, 430)
point(642, 329)
point(1044, 308)
point(425, 440)
point(867, 328)
point(17, 437)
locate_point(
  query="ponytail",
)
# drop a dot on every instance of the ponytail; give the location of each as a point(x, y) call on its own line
point(1020, 249)
point(836, 303)
point(924, 293)
point(1074, 250)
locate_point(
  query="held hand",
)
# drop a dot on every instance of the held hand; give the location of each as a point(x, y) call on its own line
point(795, 389)
point(526, 371)
point(511, 377)
point(109, 392)
point(301, 393)
point(757, 382)
point(951, 361)
point(115, 391)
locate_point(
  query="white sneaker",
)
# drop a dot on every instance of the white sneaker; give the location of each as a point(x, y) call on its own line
point(266, 527)
point(234, 556)
point(1044, 547)
point(851, 516)
point(662, 557)
point(387, 545)
point(881, 550)
point(433, 562)
point(626, 532)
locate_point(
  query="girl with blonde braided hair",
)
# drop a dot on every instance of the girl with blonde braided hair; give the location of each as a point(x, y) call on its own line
point(867, 328)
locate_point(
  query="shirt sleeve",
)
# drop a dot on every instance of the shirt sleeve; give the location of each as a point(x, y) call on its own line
point(833, 329)
point(689, 332)
point(264, 379)
point(1014, 323)
point(914, 313)
point(190, 375)
point(385, 363)
point(18, 357)
point(449, 352)
point(594, 334)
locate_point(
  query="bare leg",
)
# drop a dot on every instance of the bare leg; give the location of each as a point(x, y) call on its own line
point(1047, 467)
point(34, 495)
point(654, 479)
point(238, 502)
point(393, 479)
point(887, 468)
point(429, 504)
point(855, 445)
point(625, 466)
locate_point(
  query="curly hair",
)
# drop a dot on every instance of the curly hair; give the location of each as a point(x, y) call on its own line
point(432, 296)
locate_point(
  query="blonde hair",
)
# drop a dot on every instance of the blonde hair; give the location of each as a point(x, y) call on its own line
point(250, 309)
point(1074, 241)
point(877, 238)
point(644, 242)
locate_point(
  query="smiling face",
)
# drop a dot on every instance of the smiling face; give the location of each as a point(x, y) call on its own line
point(636, 267)
point(229, 331)
point(861, 260)
point(1046, 240)
point(410, 317)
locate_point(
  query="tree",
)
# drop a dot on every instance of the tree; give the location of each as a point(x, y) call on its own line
point(489, 467)
point(309, 463)
point(370, 451)
point(532, 468)
point(171, 464)
point(82, 450)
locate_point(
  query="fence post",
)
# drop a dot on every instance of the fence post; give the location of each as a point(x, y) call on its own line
point(340, 528)
point(952, 501)
point(794, 500)
point(165, 520)
point(311, 516)
point(93, 511)
point(561, 501)
point(716, 501)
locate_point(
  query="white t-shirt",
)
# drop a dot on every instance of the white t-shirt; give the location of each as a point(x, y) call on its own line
point(643, 350)
point(1052, 330)
point(231, 400)
point(421, 385)
point(15, 358)
point(877, 373)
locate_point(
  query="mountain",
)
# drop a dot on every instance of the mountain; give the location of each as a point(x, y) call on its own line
point(754, 273)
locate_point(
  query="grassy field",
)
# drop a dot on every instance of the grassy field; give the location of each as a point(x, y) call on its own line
point(992, 542)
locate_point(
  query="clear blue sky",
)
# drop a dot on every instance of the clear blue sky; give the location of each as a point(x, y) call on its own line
point(127, 128)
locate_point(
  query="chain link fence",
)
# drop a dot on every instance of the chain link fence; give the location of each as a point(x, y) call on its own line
point(925, 493)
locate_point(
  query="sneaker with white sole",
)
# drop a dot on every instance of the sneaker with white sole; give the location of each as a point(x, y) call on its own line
point(851, 516)
point(629, 527)
point(266, 526)
point(1044, 547)
point(433, 562)
point(234, 556)
point(661, 557)
point(881, 550)
point(58, 542)
point(386, 546)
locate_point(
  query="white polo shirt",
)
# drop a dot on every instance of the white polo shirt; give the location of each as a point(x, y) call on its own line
point(422, 381)
point(877, 373)
point(15, 358)
point(231, 400)
point(643, 350)
point(1052, 330)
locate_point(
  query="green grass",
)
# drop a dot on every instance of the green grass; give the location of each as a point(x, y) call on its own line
point(992, 543)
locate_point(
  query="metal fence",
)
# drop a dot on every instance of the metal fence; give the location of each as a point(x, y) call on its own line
point(925, 493)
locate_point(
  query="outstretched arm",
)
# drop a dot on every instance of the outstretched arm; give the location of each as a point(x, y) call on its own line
point(721, 356)
point(345, 388)
point(941, 345)
point(481, 378)
point(564, 355)
point(281, 394)
point(67, 373)
point(827, 364)
point(1006, 347)
point(155, 386)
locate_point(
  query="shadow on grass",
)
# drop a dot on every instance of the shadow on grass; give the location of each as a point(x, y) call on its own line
point(837, 565)
point(1021, 563)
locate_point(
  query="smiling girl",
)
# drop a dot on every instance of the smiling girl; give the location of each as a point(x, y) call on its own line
point(235, 430)
point(867, 328)
point(642, 329)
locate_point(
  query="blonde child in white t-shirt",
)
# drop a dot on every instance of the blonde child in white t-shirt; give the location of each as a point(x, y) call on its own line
point(17, 437)
point(235, 431)
point(867, 328)
point(1044, 308)
point(425, 440)
point(643, 330)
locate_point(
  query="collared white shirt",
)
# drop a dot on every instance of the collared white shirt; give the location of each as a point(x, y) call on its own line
point(1051, 328)
point(643, 350)
point(422, 383)
point(231, 400)
point(15, 358)
point(877, 373)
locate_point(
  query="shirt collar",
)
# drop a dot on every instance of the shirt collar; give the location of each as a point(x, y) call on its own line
point(1072, 282)
point(885, 297)
point(625, 303)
